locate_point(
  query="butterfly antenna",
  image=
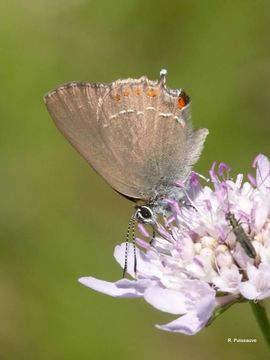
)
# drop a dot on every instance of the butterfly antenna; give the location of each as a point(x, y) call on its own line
point(131, 225)
point(134, 246)
point(153, 236)
point(126, 247)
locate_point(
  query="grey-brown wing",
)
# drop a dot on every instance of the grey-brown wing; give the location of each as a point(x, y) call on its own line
point(77, 110)
point(150, 132)
point(131, 132)
point(176, 148)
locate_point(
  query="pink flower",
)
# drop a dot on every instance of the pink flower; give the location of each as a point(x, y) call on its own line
point(202, 262)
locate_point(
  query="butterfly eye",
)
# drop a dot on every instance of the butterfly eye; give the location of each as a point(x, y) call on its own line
point(144, 215)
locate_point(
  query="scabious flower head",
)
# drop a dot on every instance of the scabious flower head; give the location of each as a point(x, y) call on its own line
point(197, 266)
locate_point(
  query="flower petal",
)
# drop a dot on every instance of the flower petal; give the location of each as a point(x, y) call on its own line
point(248, 290)
point(188, 324)
point(148, 265)
point(263, 171)
point(121, 288)
point(167, 300)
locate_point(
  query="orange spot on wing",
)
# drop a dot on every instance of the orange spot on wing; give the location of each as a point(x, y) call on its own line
point(181, 102)
point(117, 97)
point(151, 93)
point(126, 92)
point(138, 92)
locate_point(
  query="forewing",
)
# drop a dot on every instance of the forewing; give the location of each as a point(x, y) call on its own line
point(84, 112)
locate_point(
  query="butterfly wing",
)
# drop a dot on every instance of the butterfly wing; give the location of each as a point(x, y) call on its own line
point(134, 132)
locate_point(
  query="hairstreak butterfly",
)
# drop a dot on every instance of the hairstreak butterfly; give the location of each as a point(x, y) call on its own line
point(136, 133)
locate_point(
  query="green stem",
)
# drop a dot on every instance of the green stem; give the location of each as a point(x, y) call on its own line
point(262, 319)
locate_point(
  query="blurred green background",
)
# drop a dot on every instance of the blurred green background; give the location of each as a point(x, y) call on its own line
point(59, 220)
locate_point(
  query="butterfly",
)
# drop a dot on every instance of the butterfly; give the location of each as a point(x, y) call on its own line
point(136, 133)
